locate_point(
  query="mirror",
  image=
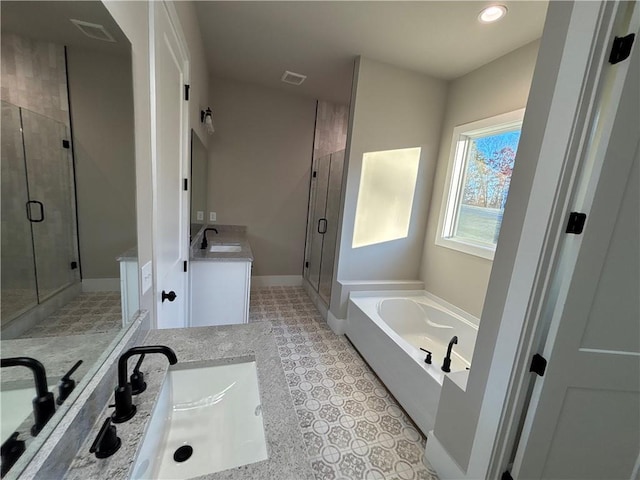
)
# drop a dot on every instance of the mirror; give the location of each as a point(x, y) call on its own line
point(69, 258)
point(199, 178)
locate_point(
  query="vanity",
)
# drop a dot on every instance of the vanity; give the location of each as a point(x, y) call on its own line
point(273, 446)
point(220, 276)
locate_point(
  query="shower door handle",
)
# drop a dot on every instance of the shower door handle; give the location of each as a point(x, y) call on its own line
point(31, 219)
point(322, 230)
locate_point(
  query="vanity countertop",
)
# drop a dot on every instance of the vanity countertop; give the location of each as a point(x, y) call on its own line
point(286, 448)
point(227, 235)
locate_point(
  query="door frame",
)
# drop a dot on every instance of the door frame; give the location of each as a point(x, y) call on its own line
point(182, 44)
point(595, 24)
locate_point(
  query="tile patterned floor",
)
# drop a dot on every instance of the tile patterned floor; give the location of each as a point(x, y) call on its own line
point(88, 313)
point(352, 426)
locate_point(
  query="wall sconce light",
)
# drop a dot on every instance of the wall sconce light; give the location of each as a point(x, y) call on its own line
point(206, 118)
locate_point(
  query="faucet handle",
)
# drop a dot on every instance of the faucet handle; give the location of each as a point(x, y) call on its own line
point(428, 357)
point(107, 442)
point(11, 450)
point(67, 384)
point(138, 385)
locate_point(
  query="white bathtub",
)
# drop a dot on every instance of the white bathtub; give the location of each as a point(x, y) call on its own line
point(389, 328)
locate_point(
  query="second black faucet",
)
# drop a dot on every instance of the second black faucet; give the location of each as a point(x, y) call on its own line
point(204, 243)
point(125, 409)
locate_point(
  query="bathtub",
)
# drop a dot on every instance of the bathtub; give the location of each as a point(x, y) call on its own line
point(389, 328)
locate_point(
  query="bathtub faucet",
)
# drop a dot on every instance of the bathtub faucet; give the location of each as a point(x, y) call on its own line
point(446, 364)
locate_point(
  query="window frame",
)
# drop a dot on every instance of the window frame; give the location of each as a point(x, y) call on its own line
point(453, 186)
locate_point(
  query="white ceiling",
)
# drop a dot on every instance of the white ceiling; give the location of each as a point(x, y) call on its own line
point(50, 21)
point(256, 41)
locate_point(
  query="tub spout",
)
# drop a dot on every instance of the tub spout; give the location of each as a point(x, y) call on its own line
point(446, 364)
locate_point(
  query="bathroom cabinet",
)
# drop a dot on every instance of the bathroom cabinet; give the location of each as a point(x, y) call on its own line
point(219, 292)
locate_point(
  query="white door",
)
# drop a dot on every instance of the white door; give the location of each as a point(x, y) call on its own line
point(584, 417)
point(169, 61)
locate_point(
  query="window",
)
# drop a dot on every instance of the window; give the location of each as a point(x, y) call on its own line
point(480, 167)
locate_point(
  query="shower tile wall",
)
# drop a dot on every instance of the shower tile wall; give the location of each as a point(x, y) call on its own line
point(331, 128)
point(34, 76)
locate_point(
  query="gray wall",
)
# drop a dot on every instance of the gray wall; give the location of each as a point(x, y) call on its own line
point(259, 167)
point(498, 87)
point(392, 108)
point(101, 92)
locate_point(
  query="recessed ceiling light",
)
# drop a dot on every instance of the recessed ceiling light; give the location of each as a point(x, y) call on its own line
point(492, 13)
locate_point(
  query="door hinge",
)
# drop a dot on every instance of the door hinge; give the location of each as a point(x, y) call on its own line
point(576, 223)
point(74, 265)
point(538, 365)
point(184, 266)
point(315, 174)
point(621, 48)
point(66, 144)
point(306, 264)
point(186, 92)
point(506, 475)
point(186, 184)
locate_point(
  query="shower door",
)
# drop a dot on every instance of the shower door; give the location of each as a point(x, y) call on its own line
point(51, 208)
point(322, 234)
point(39, 248)
point(18, 270)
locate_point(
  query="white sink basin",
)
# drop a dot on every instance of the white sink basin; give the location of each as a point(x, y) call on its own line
point(215, 410)
point(225, 248)
point(16, 407)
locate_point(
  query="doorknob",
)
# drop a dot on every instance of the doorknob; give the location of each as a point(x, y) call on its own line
point(171, 296)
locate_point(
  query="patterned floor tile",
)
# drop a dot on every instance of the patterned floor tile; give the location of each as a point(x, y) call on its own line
point(95, 312)
point(352, 427)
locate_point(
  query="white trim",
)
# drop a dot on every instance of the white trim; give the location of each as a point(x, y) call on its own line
point(338, 325)
point(100, 285)
point(441, 461)
point(276, 281)
point(455, 176)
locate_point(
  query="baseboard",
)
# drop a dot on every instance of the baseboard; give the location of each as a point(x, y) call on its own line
point(338, 325)
point(445, 466)
point(276, 281)
point(100, 285)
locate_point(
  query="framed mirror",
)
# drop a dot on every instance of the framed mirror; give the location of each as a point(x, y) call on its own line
point(69, 258)
point(199, 179)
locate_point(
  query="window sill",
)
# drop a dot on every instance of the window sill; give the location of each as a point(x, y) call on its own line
point(468, 248)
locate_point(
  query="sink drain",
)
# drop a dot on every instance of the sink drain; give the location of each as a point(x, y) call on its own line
point(183, 453)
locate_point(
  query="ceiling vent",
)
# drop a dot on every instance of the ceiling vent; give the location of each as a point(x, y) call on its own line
point(93, 30)
point(293, 78)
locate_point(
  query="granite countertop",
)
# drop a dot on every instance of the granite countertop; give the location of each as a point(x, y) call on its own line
point(285, 445)
point(129, 255)
point(227, 234)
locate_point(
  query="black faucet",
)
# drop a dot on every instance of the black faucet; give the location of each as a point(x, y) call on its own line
point(446, 364)
point(44, 405)
point(204, 243)
point(125, 409)
point(10, 451)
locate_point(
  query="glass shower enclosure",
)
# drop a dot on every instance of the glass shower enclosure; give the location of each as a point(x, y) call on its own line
point(39, 232)
point(322, 232)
